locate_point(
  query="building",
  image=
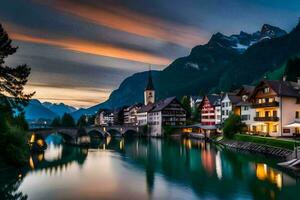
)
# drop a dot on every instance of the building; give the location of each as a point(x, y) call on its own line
point(210, 109)
point(277, 107)
point(195, 101)
point(130, 114)
point(104, 117)
point(167, 112)
point(247, 113)
point(229, 105)
point(149, 93)
point(142, 114)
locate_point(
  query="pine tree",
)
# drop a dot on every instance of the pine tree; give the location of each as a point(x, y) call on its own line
point(292, 70)
point(67, 120)
point(12, 80)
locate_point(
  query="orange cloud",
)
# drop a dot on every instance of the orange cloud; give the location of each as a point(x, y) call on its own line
point(133, 22)
point(93, 48)
point(76, 96)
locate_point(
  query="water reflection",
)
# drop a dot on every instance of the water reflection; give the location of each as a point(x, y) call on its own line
point(131, 168)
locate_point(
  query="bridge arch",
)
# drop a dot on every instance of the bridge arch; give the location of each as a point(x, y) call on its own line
point(130, 132)
point(114, 132)
point(94, 134)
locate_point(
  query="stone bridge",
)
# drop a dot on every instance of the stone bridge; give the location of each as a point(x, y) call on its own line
point(71, 134)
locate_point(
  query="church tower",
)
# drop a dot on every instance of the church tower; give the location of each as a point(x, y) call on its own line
point(149, 93)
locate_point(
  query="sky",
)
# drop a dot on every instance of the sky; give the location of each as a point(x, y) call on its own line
point(79, 51)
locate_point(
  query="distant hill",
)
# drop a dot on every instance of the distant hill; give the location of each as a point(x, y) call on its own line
point(223, 64)
point(35, 110)
point(59, 109)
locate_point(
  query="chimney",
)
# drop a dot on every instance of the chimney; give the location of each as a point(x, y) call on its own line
point(284, 78)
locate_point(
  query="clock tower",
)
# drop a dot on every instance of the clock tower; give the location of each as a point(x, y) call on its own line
point(149, 93)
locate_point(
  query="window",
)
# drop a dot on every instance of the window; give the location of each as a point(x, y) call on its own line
point(257, 114)
point(297, 114)
point(275, 114)
point(266, 90)
point(267, 113)
point(298, 101)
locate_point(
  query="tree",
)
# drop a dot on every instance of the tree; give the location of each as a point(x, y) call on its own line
point(12, 80)
point(292, 69)
point(185, 101)
point(56, 122)
point(67, 120)
point(13, 135)
point(232, 125)
point(82, 121)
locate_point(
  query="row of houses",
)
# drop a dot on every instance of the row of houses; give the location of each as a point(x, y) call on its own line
point(154, 115)
point(269, 108)
point(272, 107)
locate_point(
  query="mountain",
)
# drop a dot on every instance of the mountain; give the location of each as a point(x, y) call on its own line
point(223, 64)
point(59, 109)
point(35, 110)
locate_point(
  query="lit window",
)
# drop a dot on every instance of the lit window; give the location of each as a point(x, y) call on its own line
point(266, 90)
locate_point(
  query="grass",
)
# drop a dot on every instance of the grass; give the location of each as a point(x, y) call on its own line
point(275, 142)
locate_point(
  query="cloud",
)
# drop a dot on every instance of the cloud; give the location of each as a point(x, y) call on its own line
point(75, 96)
point(84, 46)
point(129, 21)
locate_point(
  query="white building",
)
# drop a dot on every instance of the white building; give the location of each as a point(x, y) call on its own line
point(104, 118)
point(130, 114)
point(195, 101)
point(277, 108)
point(228, 105)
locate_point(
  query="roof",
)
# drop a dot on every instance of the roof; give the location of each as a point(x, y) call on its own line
point(246, 89)
point(160, 105)
point(146, 108)
point(133, 106)
point(234, 98)
point(150, 82)
point(282, 88)
point(214, 99)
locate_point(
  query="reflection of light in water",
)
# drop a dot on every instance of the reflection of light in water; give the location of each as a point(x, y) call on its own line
point(122, 142)
point(219, 165)
point(108, 139)
point(263, 172)
point(53, 152)
point(31, 164)
point(207, 161)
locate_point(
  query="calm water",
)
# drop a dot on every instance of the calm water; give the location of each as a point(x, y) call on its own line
point(147, 169)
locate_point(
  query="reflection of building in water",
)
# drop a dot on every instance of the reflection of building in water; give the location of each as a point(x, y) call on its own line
point(219, 165)
point(208, 162)
point(265, 173)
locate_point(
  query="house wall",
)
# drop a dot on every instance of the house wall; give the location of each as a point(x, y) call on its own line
point(207, 113)
point(289, 108)
point(226, 108)
point(142, 119)
point(155, 123)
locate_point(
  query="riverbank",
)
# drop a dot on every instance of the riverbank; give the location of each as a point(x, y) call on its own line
point(256, 148)
point(276, 147)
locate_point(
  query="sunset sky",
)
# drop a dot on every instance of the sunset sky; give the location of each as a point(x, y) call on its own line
point(81, 50)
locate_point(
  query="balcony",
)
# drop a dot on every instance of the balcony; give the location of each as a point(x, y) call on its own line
point(266, 119)
point(264, 105)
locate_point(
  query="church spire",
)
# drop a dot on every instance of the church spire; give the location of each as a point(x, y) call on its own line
point(150, 82)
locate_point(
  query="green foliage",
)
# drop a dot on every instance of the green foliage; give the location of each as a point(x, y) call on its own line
point(195, 114)
point(169, 130)
point(56, 122)
point(186, 103)
point(67, 120)
point(14, 147)
point(13, 136)
point(82, 121)
point(232, 125)
point(292, 70)
point(275, 142)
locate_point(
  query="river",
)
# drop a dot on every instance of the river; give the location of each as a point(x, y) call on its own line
point(133, 168)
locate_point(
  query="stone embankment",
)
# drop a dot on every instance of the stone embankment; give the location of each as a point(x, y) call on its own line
point(257, 148)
